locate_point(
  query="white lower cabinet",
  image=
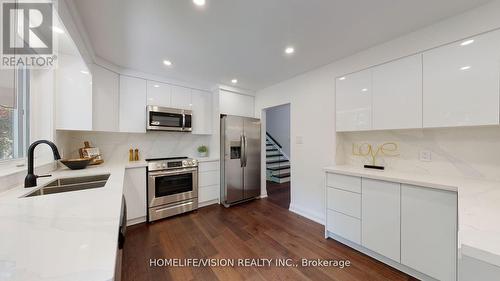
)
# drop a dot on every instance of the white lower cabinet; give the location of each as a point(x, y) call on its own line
point(429, 231)
point(134, 189)
point(208, 182)
point(344, 226)
point(380, 222)
point(410, 227)
point(345, 202)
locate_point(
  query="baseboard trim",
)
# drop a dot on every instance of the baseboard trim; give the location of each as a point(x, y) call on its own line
point(307, 214)
point(208, 203)
point(408, 270)
point(136, 221)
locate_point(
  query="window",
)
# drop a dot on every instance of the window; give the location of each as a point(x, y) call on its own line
point(14, 104)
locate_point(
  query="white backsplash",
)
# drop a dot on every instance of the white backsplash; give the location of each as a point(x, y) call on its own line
point(472, 152)
point(115, 146)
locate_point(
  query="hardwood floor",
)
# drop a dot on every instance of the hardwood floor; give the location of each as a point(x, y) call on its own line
point(279, 193)
point(257, 229)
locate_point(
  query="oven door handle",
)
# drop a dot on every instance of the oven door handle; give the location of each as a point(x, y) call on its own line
point(170, 173)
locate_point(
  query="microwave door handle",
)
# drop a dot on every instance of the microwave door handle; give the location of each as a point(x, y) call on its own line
point(183, 121)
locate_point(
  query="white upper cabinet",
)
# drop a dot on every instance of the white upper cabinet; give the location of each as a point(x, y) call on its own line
point(106, 100)
point(181, 97)
point(461, 83)
point(159, 94)
point(236, 104)
point(354, 101)
point(73, 93)
point(397, 94)
point(132, 104)
point(202, 112)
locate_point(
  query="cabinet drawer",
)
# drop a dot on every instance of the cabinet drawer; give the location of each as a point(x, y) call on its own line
point(345, 202)
point(344, 182)
point(208, 178)
point(208, 166)
point(344, 226)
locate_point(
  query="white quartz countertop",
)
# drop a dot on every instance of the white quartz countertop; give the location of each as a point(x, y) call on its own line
point(478, 207)
point(65, 236)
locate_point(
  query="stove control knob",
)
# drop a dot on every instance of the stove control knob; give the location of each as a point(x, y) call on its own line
point(158, 166)
point(185, 163)
point(163, 165)
point(194, 162)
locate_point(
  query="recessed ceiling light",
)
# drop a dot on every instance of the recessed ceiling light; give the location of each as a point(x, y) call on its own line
point(364, 90)
point(467, 42)
point(156, 86)
point(234, 81)
point(167, 63)
point(467, 67)
point(199, 2)
point(57, 30)
point(84, 71)
point(289, 50)
point(342, 78)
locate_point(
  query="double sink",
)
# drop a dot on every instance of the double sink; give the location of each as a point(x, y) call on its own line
point(71, 184)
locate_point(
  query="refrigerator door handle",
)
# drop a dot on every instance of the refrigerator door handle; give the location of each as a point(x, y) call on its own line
point(243, 151)
point(245, 142)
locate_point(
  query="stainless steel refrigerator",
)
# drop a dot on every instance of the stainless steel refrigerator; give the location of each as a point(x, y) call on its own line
point(240, 159)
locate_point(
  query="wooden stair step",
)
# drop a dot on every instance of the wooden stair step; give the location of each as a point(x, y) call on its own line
point(276, 161)
point(280, 176)
point(279, 168)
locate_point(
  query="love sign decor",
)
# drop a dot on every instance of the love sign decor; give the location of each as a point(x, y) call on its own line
point(389, 149)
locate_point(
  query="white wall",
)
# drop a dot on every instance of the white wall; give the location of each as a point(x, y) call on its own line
point(115, 146)
point(278, 125)
point(312, 100)
point(472, 152)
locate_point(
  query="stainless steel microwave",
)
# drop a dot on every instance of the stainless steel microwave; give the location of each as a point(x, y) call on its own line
point(168, 119)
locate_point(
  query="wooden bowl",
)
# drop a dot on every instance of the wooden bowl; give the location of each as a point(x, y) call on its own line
point(76, 164)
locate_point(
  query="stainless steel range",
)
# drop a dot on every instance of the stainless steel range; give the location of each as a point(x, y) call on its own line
point(172, 186)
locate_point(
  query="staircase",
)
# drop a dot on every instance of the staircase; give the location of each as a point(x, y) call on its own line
point(277, 164)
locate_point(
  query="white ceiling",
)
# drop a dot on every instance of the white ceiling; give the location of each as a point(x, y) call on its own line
point(245, 39)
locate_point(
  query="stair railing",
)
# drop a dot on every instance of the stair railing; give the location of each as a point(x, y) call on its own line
point(277, 145)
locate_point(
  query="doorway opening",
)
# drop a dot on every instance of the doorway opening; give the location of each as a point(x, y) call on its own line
point(278, 165)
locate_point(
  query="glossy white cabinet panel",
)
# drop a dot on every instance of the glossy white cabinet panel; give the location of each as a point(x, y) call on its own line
point(159, 94)
point(348, 183)
point(397, 94)
point(236, 104)
point(134, 189)
point(461, 83)
point(354, 101)
point(344, 226)
point(181, 97)
point(202, 112)
point(345, 202)
point(208, 178)
point(73, 94)
point(208, 193)
point(132, 104)
point(106, 99)
point(380, 222)
point(208, 166)
point(429, 231)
